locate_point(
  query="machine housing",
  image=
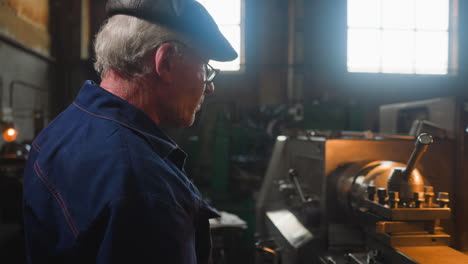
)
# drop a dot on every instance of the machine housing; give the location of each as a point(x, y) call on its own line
point(313, 209)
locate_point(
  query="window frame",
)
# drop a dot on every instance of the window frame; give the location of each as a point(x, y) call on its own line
point(453, 44)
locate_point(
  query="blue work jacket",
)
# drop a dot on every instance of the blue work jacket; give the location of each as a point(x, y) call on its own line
point(104, 184)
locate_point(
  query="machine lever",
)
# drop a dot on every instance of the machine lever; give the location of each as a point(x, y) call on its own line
point(294, 177)
point(422, 143)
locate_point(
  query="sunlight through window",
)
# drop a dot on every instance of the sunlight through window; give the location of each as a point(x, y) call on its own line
point(227, 14)
point(398, 36)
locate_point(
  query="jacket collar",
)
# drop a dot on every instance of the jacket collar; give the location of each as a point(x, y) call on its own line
point(98, 102)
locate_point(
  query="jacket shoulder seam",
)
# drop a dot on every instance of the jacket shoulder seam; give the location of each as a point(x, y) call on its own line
point(58, 198)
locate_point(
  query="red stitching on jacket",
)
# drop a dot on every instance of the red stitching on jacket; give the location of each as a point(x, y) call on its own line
point(43, 177)
point(36, 146)
point(84, 110)
point(108, 118)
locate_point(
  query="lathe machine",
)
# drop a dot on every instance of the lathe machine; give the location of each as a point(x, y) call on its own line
point(357, 198)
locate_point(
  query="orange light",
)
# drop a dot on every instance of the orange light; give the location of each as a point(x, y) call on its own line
point(269, 250)
point(10, 134)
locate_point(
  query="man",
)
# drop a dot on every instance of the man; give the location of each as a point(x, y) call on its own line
point(103, 183)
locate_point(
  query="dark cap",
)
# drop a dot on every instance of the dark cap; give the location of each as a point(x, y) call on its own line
point(185, 16)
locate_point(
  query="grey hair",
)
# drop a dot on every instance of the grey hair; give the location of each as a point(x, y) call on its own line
point(124, 44)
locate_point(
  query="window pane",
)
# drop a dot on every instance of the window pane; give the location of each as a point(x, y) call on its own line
point(223, 11)
point(398, 14)
point(232, 34)
point(364, 13)
point(431, 52)
point(363, 50)
point(398, 50)
point(227, 14)
point(432, 14)
point(398, 36)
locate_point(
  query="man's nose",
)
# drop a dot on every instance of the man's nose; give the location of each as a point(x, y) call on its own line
point(209, 88)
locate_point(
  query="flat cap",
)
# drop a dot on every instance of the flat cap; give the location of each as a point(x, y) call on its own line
point(186, 16)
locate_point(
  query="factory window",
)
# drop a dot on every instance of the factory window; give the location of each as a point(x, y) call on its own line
point(399, 36)
point(228, 14)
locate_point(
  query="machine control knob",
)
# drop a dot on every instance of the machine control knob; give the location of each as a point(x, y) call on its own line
point(443, 199)
point(429, 195)
point(371, 192)
point(418, 198)
point(394, 199)
point(425, 139)
point(382, 194)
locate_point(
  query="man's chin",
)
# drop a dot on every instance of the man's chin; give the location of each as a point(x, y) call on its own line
point(179, 122)
point(186, 122)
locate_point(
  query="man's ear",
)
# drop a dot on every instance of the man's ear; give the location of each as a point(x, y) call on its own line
point(164, 61)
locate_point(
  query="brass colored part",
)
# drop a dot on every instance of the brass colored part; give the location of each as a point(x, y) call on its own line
point(398, 227)
point(407, 214)
point(417, 239)
point(434, 255)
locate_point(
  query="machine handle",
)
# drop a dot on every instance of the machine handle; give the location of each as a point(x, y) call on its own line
point(294, 177)
point(422, 143)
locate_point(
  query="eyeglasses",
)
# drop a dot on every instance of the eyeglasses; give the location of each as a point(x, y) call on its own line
point(211, 73)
